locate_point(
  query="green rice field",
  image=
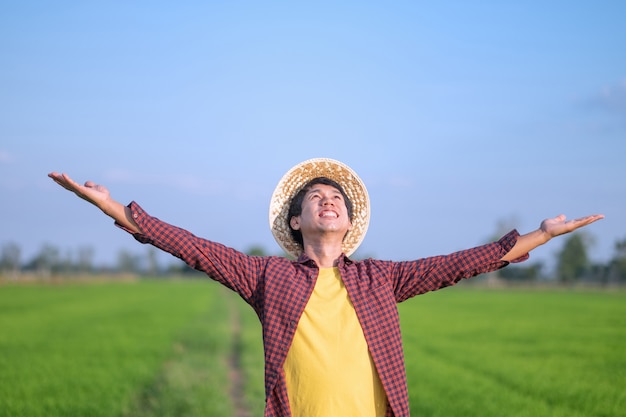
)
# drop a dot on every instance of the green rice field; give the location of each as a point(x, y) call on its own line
point(191, 348)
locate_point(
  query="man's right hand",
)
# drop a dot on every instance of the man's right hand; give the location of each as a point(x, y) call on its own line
point(99, 196)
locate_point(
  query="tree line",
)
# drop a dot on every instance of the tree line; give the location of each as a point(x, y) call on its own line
point(572, 264)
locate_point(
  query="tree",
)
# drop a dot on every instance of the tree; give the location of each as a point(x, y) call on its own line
point(10, 259)
point(617, 266)
point(573, 261)
point(85, 259)
point(256, 250)
point(153, 262)
point(47, 261)
point(531, 272)
point(127, 262)
point(503, 226)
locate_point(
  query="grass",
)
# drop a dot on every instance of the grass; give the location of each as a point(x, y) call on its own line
point(515, 353)
point(89, 350)
point(163, 348)
point(252, 360)
point(194, 379)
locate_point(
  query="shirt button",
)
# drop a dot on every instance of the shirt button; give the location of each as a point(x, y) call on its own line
point(135, 215)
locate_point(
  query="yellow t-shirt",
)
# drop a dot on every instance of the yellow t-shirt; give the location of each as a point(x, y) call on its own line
point(329, 370)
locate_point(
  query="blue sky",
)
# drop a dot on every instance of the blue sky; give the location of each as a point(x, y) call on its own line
point(460, 116)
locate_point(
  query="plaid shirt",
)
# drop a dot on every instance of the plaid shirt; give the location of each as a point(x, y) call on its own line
point(278, 289)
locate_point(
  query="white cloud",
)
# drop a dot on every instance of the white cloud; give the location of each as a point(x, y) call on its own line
point(187, 183)
point(611, 98)
point(399, 181)
point(5, 157)
point(395, 180)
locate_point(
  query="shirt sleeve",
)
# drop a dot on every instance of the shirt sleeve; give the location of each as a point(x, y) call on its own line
point(226, 265)
point(429, 274)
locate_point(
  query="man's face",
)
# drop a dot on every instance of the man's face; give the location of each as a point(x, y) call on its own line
point(324, 212)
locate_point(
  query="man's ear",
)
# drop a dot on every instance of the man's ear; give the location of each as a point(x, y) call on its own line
point(295, 222)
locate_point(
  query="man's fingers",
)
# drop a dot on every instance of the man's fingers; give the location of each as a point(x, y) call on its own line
point(584, 221)
point(65, 181)
point(589, 219)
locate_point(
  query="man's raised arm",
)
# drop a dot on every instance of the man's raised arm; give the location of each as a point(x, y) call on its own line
point(100, 197)
point(548, 229)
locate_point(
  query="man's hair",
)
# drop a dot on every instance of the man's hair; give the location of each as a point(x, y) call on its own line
point(295, 207)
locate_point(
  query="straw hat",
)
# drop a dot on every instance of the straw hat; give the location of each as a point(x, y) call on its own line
point(296, 178)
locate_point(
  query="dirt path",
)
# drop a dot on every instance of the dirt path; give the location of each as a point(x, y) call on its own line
point(237, 377)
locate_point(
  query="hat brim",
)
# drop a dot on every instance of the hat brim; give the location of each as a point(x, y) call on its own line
point(296, 178)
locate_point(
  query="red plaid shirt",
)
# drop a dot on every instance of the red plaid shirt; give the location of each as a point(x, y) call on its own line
point(278, 289)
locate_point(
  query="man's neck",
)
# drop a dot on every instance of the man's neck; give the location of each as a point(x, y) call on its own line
point(324, 255)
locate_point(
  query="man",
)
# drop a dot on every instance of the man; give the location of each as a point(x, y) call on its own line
point(330, 324)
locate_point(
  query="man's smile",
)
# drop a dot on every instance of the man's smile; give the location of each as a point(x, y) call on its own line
point(329, 213)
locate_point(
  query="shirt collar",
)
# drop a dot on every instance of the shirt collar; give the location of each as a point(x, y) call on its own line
point(343, 260)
